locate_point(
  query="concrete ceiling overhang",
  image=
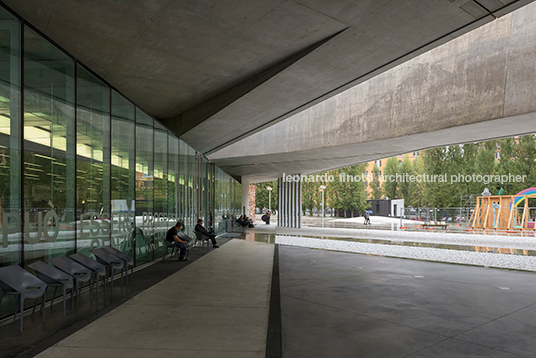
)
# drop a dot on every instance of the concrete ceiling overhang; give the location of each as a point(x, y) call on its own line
point(480, 86)
point(216, 72)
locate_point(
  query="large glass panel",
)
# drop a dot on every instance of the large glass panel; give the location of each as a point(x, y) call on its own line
point(223, 210)
point(160, 187)
point(10, 147)
point(209, 177)
point(49, 150)
point(144, 188)
point(183, 182)
point(204, 192)
point(192, 194)
point(237, 202)
point(173, 178)
point(123, 189)
point(93, 161)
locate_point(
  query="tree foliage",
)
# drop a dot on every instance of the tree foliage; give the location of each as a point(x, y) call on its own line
point(390, 187)
point(510, 156)
point(262, 197)
point(375, 184)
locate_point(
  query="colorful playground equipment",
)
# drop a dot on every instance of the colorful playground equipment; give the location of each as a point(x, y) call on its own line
point(504, 212)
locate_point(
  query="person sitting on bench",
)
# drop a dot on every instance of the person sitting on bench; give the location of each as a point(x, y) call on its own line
point(242, 221)
point(199, 228)
point(178, 239)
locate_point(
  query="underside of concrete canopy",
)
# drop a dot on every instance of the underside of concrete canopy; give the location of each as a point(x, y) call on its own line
point(246, 81)
point(479, 86)
point(216, 72)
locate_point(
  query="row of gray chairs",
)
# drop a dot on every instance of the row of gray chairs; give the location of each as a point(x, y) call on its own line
point(69, 273)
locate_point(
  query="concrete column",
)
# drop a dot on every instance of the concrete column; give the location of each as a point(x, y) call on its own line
point(300, 204)
point(289, 214)
point(279, 201)
point(245, 197)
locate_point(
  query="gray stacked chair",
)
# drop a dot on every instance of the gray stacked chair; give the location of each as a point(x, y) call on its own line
point(129, 261)
point(97, 268)
point(54, 278)
point(14, 280)
point(108, 259)
point(79, 273)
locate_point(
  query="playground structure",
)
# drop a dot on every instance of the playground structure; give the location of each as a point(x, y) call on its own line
point(504, 212)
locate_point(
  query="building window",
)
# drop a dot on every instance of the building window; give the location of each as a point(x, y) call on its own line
point(379, 163)
point(49, 149)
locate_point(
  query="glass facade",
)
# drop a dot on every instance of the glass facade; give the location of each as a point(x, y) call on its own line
point(82, 167)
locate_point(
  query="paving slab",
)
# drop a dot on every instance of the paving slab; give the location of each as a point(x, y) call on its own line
point(216, 307)
point(336, 304)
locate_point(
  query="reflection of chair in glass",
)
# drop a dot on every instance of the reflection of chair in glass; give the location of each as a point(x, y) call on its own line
point(14, 280)
point(54, 278)
point(97, 268)
point(108, 259)
point(80, 274)
point(141, 243)
point(129, 261)
point(200, 237)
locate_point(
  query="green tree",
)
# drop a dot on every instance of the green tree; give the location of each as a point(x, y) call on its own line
point(262, 196)
point(404, 187)
point(525, 162)
point(375, 184)
point(507, 164)
point(390, 186)
point(416, 198)
point(310, 196)
point(348, 194)
point(485, 165)
point(433, 160)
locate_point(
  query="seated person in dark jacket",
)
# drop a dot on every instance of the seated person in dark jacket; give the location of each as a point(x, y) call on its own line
point(178, 240)
point(250, 222)
point(242, 221)
point(199, 228)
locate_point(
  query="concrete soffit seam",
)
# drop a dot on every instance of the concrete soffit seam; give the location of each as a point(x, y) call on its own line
point(482, 15)
point(194, 116)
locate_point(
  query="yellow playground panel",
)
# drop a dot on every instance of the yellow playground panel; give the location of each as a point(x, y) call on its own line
point(504, 212)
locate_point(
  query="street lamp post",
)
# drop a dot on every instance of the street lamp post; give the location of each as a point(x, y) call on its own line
point(322, 188)
point(269, 188)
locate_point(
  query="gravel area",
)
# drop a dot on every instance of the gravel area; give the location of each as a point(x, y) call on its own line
point(517, 262)
point(495, 241)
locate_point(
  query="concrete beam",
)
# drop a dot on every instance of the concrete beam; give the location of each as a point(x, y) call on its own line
point(479, 86)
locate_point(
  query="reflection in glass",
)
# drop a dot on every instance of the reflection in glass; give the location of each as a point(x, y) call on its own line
point(10, 146)
point(49, 147)
point(93, 161)
point(144, 188)
point(123, 190)
point(160, 188)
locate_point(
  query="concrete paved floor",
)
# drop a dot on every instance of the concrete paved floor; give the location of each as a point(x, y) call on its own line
point(333, 304)
point(351, 305)
point(216, 307)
